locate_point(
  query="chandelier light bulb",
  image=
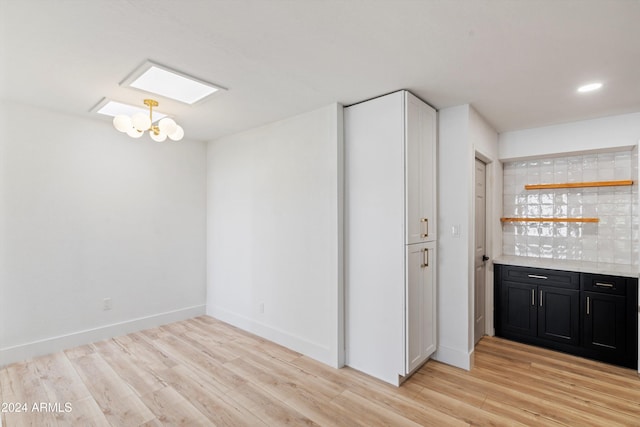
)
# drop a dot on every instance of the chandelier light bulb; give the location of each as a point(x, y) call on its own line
point(122, 123)
point(178, 134)
point(161, 136)
point(141, 121)
point(134, 133)
point(137, 124)
point(167, 126)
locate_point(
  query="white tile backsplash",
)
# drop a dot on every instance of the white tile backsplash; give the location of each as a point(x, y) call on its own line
point(612, 240)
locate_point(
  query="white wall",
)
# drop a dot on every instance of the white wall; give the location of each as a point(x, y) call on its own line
point(462, 135)
point(88, 213)
point(275, 232)
point(611, 133)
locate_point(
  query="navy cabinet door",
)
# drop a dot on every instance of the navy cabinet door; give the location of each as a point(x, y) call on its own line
point(604, 321)
point(558, 314)
point(518, 310)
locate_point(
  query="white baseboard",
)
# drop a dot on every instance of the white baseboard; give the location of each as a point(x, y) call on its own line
point(315, 351)
point(457, 358)
point(25, 351)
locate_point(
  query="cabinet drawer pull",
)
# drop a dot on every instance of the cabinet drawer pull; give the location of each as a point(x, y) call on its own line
point(425, 258)
point(540, 298)
point(604, 285)
point(533, 297)
point(426, 222)
point(587, 306)
point(535, 276)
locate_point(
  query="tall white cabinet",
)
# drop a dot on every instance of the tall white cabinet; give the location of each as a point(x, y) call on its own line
point(390, 235)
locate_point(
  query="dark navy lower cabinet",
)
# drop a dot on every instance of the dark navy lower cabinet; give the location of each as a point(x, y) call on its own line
point(588, 315)
point(558, 315)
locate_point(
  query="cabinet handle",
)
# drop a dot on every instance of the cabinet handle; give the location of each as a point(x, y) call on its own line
point(425, 258)
point(587, 306)
point(533, 297)
point(426, 222)
point(604, 285)
point(540, 298)
point(535, 276)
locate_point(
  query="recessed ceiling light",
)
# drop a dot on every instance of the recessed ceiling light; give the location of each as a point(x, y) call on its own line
point(163, 81)
point(589, 87)
point(113, 108)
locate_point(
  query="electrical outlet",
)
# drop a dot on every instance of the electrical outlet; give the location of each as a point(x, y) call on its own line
point(261, 308)
point(106, 304)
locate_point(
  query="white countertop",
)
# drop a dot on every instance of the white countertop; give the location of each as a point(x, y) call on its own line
point(579, 266)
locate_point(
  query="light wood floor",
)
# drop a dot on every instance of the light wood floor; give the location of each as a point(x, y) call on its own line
point(204, 372)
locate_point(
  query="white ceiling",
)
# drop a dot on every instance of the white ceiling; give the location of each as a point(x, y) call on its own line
point(517, 62)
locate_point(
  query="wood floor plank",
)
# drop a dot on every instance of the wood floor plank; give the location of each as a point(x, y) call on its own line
point(318, 409)
point(183, 353)
point(461, 410)
point(569, 402)
point(282, 415)
point(282, 388)
point(83, 350)
point(138, 374)
point(429, 380)
point(508, 412)
point(350, 378)
point(173, 409)
point(25, 387)
point(64, 386)
point(514, 351)
point(368, 413)
point(139, 348)
point(208, 398)
point(282, 369)
point(268, 407)
point(116, 399)
point(515, 396)
point(597, 385)
point(572, 393)
point(206, 343)
point(202, 371)
point(413, 409)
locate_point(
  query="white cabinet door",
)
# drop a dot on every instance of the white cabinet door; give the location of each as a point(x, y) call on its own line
point(420, 323)
point(420, 170)
point(429, 331)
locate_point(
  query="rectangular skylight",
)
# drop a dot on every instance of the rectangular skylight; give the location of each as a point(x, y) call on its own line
point(113, 108)
point(158, 79)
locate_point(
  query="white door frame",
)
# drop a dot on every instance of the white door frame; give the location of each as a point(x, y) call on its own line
point(492, 167)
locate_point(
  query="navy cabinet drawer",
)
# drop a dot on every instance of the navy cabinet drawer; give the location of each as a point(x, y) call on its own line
point(541, 276)
point(613, 285)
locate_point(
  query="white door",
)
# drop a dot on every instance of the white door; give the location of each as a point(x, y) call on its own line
point(420, 161)
point(420, 326)
point(480, 249)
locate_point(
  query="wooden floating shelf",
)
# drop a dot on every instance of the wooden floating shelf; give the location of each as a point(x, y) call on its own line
point(578, 185)
point(549, 219)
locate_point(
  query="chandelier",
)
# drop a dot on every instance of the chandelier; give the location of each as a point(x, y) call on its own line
point(135, 125)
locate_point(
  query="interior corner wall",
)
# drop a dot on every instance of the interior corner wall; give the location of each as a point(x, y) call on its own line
point(274, 236)
point(455, 174)
point(87, 213)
